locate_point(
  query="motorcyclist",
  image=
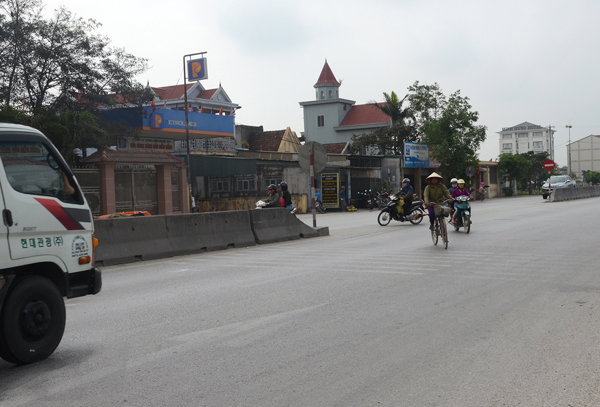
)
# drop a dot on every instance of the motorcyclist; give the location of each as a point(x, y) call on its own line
point(458, 191)
point(453, 184)
point(287, 197)
point(273, 199)
point(407, 193)
point(434, 193)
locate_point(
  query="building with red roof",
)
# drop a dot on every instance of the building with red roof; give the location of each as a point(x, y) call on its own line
point(331, 119)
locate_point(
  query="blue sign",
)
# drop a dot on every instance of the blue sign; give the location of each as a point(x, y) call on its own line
point(416, 155)
point(197, 69)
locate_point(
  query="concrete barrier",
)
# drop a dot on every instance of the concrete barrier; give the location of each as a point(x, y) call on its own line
point(277, 224)
point(198, 232)
point(125, 240)
point(567, 194)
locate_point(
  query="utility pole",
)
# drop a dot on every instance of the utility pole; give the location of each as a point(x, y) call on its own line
point(568, 126)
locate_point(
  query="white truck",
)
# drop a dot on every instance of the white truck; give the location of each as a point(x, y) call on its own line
point(46, 244)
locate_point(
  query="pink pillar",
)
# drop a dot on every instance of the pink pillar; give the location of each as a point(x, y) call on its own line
point(163, 189)
point(184, 197)
point(107, 181)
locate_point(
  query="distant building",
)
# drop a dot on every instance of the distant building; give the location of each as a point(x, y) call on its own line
point(526, 137)
point(585, 155)
point(330, 119)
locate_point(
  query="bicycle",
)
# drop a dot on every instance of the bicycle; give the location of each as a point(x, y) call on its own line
point(439, 224)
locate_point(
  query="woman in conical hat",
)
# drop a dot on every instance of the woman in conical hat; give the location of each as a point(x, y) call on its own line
point(434, 193)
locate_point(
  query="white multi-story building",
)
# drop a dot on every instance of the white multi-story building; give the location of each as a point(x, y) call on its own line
point(585, 155)
point(526, 137)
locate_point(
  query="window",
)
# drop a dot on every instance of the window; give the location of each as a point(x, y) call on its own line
point(320, 121)
point(507, 146)
point(322, 95)
point(219, 185)
point(523, 135)
point(538, 134)
point(330, 94)
point(246, 184)
point(272, 180)
point(32, 169)
point(538, 144)
point(504, 136)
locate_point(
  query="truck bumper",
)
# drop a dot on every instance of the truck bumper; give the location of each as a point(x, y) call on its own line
point(84, 283)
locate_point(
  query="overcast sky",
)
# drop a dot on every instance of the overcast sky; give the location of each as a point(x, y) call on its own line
point(516, 61)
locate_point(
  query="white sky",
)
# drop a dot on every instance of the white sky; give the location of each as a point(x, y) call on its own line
point(516, 60)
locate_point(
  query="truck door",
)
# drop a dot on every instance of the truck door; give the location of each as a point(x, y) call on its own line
point(6, 218)
point(49, 214)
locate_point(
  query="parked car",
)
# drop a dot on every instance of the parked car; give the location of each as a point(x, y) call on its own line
point(556, 181)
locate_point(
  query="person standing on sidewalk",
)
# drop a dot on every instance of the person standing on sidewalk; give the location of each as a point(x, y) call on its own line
point(343, 198)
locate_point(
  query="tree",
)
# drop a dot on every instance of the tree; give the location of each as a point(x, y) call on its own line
point(513, 167)
point(537, 166)
point(48, 61)
point(447, 126)
point(392, 138)
point(592, 177)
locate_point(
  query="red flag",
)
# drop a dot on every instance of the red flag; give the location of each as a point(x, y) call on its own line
point(201, 109)
point(153, 106)
point(221, 111)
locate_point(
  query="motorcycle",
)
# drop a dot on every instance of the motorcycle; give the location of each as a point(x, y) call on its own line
point(319, 206)
point(463, 213)
point(414, 214)
point(382, 199)
point(262, 204)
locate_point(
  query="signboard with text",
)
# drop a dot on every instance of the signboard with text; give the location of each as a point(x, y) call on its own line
point(145, 144)
point(330, 190)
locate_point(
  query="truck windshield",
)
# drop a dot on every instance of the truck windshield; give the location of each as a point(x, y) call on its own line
point(31, 169)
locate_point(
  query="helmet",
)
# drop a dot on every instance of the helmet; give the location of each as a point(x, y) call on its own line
point(273, 187)
point(454, 180)
point(283, 185)
point(461, 181)
point(406, 180)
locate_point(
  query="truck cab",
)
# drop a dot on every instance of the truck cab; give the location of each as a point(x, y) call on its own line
point(46, 244)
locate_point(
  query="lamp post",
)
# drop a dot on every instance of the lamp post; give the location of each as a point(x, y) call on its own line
point(568, 126)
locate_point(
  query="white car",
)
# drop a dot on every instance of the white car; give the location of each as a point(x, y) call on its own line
point(556, 181)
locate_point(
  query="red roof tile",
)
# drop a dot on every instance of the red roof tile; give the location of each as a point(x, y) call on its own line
point(326, 77)
point(171, 92)
point(131, 157)
point(335, 148)
point(207, 94)
point(266, 140)
point(364, 114)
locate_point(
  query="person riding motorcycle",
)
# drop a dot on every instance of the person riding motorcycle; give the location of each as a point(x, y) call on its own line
point(434, 193)
point(407, 193)
point(453, 184)
point(287, 197)
point(460, 190)
point(273, 199)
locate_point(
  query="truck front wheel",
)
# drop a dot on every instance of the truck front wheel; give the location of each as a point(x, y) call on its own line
point(33, 320)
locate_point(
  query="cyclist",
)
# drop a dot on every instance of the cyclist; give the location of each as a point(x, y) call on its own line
point(434, 193)
point(460, 190)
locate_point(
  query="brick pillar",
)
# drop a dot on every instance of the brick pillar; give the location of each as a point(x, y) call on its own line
point(107, 192)
point(184, 188)
point(164, 192)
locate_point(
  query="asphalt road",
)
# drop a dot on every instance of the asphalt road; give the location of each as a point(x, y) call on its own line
point(368, 316)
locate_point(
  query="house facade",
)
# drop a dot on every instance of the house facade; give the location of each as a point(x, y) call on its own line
point(526, 137)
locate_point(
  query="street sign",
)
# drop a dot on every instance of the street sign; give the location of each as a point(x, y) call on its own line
point(549, 165)
point(470, 171)
point(319, 156)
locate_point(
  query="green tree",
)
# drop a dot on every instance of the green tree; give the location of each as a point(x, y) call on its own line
point(513, 167)
point(390, 139)
point(537, 167)
point(592, 177)
point(448, 126)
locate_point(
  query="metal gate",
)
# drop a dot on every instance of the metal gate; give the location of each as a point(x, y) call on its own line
point(89, 181)
point(135, 190)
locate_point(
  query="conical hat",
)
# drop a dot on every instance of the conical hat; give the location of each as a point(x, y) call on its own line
point(433, 175)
